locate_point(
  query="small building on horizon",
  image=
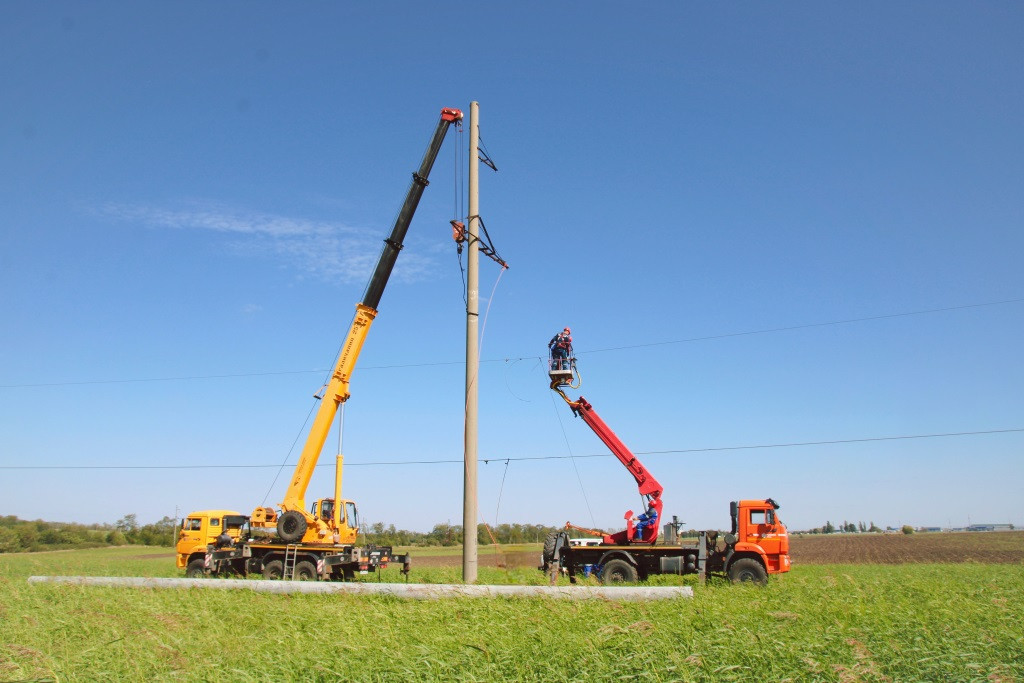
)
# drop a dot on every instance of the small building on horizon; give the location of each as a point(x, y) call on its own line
point(990, 527)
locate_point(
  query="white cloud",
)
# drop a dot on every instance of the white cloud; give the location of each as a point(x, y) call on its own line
point(324, 250)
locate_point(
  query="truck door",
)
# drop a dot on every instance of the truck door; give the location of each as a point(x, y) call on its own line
point(352, 515)
point(767, 530)
point(191, 535)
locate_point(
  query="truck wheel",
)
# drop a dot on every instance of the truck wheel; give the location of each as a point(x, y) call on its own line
point(747, 569)
point(291, 527)
point(196, 569)
point(549, 548)
point(305, 571)
point(618, 571)
point(273, 570)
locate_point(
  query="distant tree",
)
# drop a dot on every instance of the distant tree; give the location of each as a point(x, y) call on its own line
point(116, 537)
point(445, 534)
point(861, 527)
point(129, 526)
point(829, 528)
point(9, 542)
point(157, 533)
point(907, 529)
point(874, 529)
point(28, 535)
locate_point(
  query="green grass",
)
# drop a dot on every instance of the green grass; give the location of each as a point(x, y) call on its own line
point(923, 622)
point(456, 550)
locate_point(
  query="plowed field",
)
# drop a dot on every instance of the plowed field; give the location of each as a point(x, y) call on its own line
point(995, 546)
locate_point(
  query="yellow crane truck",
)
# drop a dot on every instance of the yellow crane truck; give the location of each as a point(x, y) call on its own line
point(318, 543)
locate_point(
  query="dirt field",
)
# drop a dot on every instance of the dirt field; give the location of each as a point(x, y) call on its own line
point(976, 546)
point(1003, 547)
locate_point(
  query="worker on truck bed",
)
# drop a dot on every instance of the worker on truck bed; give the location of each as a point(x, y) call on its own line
point(641, 522)
point(561, 350)
point(224, 540)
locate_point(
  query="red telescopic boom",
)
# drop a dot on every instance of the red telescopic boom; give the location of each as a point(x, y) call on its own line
point(647, 485)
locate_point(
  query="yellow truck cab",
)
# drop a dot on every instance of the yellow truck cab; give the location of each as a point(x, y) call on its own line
point(200, 530)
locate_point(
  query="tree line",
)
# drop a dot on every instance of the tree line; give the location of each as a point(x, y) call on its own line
point(845, 528)
point(20, 535)
point(453, 534)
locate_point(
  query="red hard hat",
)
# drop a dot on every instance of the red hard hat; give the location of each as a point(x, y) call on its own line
point(568, 330)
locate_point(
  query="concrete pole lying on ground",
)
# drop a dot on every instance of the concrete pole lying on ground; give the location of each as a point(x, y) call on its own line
point(414, 591)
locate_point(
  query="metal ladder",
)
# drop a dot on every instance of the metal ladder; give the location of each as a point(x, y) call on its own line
point(291, 551)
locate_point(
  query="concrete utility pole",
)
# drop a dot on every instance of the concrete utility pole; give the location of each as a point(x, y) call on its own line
point(469, 500)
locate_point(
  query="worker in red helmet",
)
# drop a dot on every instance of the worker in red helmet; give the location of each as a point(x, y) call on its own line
point(561, 349)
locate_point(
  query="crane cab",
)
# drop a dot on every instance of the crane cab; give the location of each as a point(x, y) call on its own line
point(345, 526)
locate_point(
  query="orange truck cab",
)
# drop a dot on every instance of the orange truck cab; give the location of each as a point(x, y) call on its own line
point(759, 534)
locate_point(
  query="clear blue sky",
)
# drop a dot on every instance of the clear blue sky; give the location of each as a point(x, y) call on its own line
point(775, 224)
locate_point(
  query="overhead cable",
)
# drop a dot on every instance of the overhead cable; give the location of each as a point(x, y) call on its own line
point(460, 461)
point(726, 335)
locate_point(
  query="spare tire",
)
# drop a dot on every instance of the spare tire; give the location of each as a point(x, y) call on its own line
point(550, 543)
point(291, 527)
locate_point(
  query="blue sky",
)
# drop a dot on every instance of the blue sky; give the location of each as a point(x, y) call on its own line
point(767, 225)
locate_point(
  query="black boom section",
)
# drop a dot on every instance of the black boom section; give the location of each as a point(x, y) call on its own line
point(393, 244)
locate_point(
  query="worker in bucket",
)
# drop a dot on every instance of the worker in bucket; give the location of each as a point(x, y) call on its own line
point(561, 349)
point(643, 521)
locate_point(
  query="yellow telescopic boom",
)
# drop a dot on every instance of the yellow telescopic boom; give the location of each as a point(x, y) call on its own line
point(294, 521)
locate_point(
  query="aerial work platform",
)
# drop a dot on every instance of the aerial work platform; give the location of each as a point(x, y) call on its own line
point(561, 372)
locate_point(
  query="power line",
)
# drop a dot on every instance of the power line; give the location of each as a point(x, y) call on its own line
point(391, 463)
point(727, 335)
point(160, 379)
point(810, 325)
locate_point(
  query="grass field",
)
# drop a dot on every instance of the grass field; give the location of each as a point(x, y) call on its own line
point(827, 622)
